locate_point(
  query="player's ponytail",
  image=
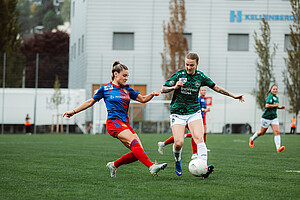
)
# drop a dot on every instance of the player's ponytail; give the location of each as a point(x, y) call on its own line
point(117, 67)
point(267, 94)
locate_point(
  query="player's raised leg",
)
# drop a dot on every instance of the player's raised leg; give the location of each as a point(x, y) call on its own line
point(161, 145)
point(256, 135)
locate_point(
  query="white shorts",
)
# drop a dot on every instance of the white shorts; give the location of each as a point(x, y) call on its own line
point(184, 119)
point(265, 123)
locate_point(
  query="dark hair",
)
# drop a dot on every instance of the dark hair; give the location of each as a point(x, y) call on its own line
point(193, 56)
point(267, 94)
point(117, 67)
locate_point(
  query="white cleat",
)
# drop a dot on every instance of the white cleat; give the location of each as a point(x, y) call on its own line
point(112, 169)
point(155, 168)
point(160, 147)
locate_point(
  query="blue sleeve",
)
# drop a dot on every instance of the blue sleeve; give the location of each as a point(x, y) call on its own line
point(133, 94)
point(99, 94)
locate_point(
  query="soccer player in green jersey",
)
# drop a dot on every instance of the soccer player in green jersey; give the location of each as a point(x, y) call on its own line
point(185, 108)
point(269, 118)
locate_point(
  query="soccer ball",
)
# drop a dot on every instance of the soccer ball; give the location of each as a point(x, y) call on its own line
point(197, 167)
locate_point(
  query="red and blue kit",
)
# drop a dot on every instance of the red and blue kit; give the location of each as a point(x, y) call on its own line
point(203, 106)
point(117, 99)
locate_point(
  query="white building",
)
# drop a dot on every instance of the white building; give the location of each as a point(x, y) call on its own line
point(220, 31)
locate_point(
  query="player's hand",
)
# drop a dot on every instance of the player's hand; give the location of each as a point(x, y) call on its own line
point(240, 98)
point(68, 114)
point(282, 107)
point(155, 93)
point(178, 84)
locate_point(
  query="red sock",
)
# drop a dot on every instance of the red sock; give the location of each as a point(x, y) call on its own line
point(204, 137)
point(169, 141)
point(188, 135)
point(139, 153)
point(125, 159)
point(194, 146)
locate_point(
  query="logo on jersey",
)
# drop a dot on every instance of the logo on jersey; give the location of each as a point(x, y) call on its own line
point(108, 87)
point(124, 125)
point(197, 84)
point(125, 91)
point(274, 98)
point(172, 82)
point(184, 80)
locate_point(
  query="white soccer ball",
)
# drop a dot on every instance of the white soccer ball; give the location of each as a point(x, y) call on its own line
point(197, 167)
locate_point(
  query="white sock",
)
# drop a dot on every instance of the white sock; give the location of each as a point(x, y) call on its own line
point(277, 141)
point(177, 154)
point(185, 135)
point(163, 144)
point(254, 136)
point(202, 151)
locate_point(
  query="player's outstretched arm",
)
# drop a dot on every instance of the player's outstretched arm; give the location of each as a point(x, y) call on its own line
point(83, 106)
point(146, 98)
point(221, 90)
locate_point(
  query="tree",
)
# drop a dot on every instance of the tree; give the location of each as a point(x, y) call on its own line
point(9, 26)
point(10, 43)
point(66, 10)
point(40, 11)
point(53, 49)
point(25, 17)
point(51, 20)
point(265, 64)
point(56, 100)
point(292, 75)
point(175, 44)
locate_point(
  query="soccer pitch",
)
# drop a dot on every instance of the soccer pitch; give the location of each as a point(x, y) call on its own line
point(73, 167)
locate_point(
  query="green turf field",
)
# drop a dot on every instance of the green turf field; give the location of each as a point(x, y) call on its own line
point(73, 167)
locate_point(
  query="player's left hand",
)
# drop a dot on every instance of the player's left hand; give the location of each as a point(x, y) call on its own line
point(282, 107)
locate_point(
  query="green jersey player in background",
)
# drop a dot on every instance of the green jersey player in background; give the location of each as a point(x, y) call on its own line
point(185, 108)
point(269, 118)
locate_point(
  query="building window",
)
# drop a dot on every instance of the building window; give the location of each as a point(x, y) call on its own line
point(123, 41)
point(82, 45)
point(71, 52)
point(79, 49)
point(73, 9)
point(287, 42)
point(74, 53)
point(238, 42)
point(188, 37)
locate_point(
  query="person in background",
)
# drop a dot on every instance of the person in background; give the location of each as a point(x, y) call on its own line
point(269, 118)
point(27, 124)
point(293, 125)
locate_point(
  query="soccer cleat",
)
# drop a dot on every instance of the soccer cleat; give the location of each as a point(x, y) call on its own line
point(178, 168)
point(251, 143)
point(112, 169)
point(194, 156)
point(210, 170)
point(155, 168)
point(208, 149)
point(160, 147)
point(280, 149)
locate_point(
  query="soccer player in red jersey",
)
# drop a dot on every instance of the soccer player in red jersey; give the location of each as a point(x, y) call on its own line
point(117, 95)
point(204, 110)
